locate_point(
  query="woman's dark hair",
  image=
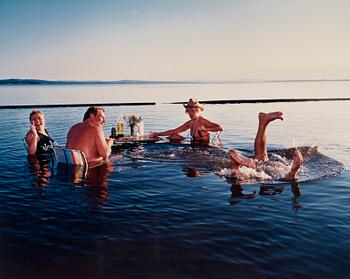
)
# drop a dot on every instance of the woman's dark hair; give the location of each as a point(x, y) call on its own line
point(94, 110)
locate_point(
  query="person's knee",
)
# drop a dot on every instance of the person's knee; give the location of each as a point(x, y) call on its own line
point(232, 153)
point(261, 157)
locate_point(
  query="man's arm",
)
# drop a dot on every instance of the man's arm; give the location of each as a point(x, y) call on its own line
point(103, 144)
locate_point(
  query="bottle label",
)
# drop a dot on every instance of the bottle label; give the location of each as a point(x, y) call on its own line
point(120, 128)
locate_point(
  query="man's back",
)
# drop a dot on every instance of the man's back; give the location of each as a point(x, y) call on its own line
point(88, 136)
point(82, 136)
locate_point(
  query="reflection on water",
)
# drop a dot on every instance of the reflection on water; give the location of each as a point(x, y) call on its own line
point(237, 194)
point(41, 171)
point(270, 190)
point(95, 181)
point(296, 205)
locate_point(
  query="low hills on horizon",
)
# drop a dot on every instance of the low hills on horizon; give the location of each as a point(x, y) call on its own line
point(14, 81)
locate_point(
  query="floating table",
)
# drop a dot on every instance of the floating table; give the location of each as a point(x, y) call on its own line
point(135, 140)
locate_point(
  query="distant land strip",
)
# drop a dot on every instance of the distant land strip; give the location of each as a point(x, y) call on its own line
point(256, 101)
point(87, 82)
point(75, 105)
point(18, 82)
point(209, 102)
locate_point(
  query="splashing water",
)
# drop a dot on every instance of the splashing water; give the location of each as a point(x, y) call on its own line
point(316, 165)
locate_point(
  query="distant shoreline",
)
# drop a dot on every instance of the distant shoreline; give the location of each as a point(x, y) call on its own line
point(208, 102)
point(38, 82)
point(75, 105)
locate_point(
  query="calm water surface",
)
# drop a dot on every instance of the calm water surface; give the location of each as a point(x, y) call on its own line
point(163, 93)
point(154, 219)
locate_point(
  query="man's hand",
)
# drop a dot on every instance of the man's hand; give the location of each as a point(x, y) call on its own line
point(109, 141)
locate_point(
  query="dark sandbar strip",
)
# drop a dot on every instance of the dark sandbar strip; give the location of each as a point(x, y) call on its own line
point(76, 105)
point(256, 101)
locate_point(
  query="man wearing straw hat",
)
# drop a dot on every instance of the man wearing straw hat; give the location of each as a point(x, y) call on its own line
point(199, 126)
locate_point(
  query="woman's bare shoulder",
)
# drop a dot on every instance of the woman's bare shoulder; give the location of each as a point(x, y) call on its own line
point(204, 120)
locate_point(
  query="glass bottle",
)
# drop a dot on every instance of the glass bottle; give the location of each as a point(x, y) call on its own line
point(120, 126)
point(141, 127)
point(113, 132)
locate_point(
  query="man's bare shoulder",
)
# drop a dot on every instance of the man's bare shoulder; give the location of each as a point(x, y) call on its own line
point(82, 126)
point(76, 126)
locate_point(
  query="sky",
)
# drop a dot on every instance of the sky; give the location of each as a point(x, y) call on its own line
point(175, 39)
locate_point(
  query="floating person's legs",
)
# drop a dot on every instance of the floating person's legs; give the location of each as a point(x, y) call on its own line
point(260, 147)
point(238, 160)
point(260, 144)
point(296, 164)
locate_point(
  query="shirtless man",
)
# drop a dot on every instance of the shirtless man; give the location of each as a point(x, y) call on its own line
point(260, 148)
point(198, 125)
point(88, 136)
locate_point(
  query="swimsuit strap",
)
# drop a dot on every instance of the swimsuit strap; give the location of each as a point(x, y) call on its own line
point(41, 134)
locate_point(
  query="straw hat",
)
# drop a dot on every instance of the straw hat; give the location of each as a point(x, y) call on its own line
point(193, 103)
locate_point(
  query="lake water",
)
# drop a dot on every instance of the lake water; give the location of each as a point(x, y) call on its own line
point(156, 218)
point(165, 93)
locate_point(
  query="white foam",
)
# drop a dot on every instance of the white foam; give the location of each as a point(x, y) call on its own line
point(249, 174)
point(245, 174)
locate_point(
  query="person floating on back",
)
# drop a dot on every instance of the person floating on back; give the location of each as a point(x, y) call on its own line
point(88, 136)
point(198, 125)
point(39, 143)
point(261, 159)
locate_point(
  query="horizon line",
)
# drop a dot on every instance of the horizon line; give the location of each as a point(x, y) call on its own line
point(38, 82)
point(207, 102)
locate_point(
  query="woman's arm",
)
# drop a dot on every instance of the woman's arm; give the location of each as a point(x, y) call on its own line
point(211, 126)
point(178, 130)
point(32, 140)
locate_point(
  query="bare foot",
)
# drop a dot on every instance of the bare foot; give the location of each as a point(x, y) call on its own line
point(296, 164)
point(239, 160)
point(268, 117)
